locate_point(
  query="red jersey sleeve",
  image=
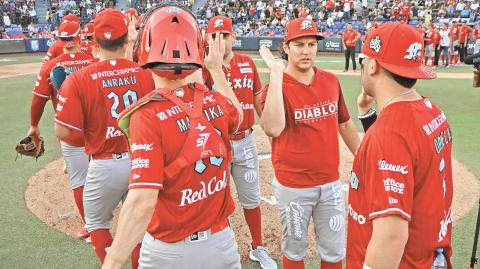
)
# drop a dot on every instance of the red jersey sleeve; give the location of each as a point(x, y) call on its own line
point(343, 114)
point(389, 173)
point(207, 78)
point(69, 108)
point(257, 84)
point(42, 85)
point(147, 168)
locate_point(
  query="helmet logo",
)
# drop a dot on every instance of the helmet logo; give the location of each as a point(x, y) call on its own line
point(306, 25)
point(376, 44)
point(218, 23)
point(413, 52)
point(107, 35)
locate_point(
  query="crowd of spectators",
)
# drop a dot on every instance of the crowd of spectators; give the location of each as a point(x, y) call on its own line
point(17, 13)
point(257, 17)
point(84, 9)
point(268, 17)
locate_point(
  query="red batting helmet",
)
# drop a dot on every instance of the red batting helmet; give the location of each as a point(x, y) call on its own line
point(170, 42)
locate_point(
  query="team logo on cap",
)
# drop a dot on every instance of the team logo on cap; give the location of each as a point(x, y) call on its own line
point(107, 35)
point(413, 52)
point(376, 44)
point(218, 23)
point(306, 25)
point(64, 34)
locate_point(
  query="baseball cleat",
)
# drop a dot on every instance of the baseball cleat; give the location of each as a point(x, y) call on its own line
point(260, 255)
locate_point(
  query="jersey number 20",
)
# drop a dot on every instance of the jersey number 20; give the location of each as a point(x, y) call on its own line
point(129, 98)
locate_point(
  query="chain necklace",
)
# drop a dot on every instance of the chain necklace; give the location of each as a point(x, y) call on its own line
point(395, 97)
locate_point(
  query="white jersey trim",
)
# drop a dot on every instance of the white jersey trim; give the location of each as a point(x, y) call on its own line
point(41, 95)
point(67, 125)
point(372, 215)
point(146, 184)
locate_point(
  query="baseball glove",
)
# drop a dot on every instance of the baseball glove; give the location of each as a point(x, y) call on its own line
point(32, 146)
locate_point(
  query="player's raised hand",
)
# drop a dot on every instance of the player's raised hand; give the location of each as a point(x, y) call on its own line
point(364, 102)
point(96, 52)
point(272, 63)
point(216, 50)
point(132, 30)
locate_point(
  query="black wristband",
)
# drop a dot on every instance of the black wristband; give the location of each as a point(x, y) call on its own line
point(368, 119)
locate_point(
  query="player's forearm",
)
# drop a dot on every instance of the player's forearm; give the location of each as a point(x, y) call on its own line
point(133, 221)
point(221, 85)
point(36, 109)
point(129, 51)
point(386, 246)
point(349, 135)
point(273, 114)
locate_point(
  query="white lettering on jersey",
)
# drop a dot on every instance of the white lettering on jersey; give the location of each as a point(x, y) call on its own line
point(355, 216)
point(315, 112)
point(214, 185)
point(144, 147)
point(202, 140)
point(444, 225)
point(384, 166)
point(391, 185)
point(432, 126)
point(140, 163)
point(111, 132)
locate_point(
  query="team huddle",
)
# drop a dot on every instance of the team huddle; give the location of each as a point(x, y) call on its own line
point(158, 116)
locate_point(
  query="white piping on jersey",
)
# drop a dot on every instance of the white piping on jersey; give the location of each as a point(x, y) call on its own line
point(146, 184)
point(390, 210)
point(41, 95)
point(68, 125)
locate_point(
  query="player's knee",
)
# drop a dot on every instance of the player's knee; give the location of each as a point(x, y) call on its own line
point(331, 251)
point(295, 254)
point(250, 202)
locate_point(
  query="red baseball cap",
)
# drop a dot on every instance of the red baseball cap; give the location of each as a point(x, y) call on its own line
point(219, 24)
point(71, 17)
point(398, 48)
point(301, 27)
point(68, 33)
point(110, 24)
point(88, 29)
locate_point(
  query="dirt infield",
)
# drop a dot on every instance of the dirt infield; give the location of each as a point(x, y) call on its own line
point(49, 198)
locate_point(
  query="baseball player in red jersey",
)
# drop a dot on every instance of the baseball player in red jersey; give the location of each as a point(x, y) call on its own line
point(400, 197)
point(242, 76)
point(56, 49)
point(454, 31)
point(179, 187)
point(91, 101)
point(89, 44)
point(72, 146)
point(432, 39)
point(304, 111)
point(350, 38)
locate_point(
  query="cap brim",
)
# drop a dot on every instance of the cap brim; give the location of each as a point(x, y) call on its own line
point(221, 32)
point(421, 72)
point(319, 37)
